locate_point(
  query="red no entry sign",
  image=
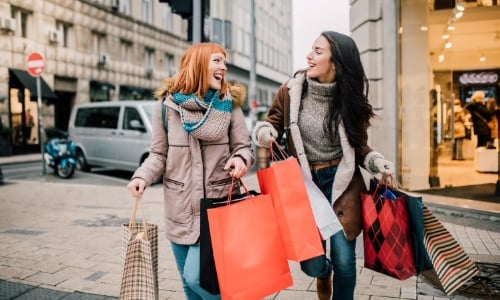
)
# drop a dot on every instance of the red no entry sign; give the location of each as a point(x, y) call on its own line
point(35, 64)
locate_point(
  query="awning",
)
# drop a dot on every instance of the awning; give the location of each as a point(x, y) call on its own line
point(21, 79)
point(94, 84)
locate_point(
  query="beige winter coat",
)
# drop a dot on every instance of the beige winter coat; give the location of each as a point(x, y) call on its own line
point(192, 169)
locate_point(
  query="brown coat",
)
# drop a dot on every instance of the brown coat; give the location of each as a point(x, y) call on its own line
point(283, 116)
point(192, 169)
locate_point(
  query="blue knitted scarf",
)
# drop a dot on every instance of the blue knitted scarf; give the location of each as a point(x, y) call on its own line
point(206, 119)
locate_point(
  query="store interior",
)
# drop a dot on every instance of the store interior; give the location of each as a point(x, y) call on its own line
point(464, 53)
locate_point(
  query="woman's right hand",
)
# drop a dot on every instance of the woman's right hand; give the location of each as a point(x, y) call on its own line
point(266, 136)
point(136, 187)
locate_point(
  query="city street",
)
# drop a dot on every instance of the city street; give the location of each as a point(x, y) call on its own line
point(64, 236)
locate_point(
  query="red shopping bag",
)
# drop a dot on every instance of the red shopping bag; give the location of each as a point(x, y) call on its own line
point(248, 250)
point(283, 180)
point(386, 233)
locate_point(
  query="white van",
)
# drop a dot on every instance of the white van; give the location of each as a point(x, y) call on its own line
point(113, 134)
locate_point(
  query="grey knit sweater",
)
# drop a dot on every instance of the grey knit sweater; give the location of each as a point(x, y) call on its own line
point(318, 146)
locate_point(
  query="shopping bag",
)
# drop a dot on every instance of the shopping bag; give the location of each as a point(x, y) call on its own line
point(140, 258)
point(326, 221)
point(452, 266)
point(284, 182)
point(386, 234)
point(208, 272)
point(248, 250)
point(414, 207)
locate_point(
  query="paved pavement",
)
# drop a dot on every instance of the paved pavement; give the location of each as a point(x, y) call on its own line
point(63, 241)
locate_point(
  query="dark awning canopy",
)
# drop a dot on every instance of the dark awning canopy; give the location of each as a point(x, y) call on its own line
point(95, 84)
point(21, 79)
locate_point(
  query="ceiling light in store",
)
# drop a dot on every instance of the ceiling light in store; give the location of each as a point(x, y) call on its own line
point(482, 58)
point(448, 45)
point(445, 36)
point(451, 26)
point(441, 58)
point(458, 14)
point(424, 28)
point(460, 6)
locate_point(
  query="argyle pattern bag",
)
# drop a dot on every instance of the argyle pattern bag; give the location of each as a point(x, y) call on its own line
point(140, 259)
point(386, 233)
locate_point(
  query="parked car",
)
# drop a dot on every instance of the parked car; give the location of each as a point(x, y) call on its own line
point(113, 134)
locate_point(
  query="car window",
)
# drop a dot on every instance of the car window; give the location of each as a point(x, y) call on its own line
point(98, 117)
point(131, 114)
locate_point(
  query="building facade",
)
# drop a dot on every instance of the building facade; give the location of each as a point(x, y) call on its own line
point(112, 50)
point(419, 56)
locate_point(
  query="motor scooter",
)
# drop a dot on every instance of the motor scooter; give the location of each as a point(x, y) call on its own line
point(60, 155)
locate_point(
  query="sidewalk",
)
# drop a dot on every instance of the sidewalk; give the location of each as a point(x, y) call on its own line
point(63, 241)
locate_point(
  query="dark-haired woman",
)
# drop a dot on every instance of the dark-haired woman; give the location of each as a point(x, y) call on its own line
point(325, 113)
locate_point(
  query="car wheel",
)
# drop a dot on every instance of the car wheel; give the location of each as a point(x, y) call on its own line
point(81, 162)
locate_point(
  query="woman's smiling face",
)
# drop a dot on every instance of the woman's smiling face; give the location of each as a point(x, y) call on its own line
point(319, 65)
point(217, 70)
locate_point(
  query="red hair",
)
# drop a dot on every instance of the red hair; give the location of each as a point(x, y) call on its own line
point(193, 77)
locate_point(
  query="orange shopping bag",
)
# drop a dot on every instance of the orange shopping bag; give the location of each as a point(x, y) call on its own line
point(248, 250)
point(283, 180)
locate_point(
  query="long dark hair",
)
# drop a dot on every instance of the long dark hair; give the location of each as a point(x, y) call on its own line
point(350, 103)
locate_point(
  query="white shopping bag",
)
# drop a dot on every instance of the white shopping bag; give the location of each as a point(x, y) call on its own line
point(326, 220)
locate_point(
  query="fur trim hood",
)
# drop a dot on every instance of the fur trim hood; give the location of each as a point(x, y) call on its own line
point(237, 90)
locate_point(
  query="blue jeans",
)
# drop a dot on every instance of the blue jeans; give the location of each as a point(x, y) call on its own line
point(187, 258)
point(342, 252)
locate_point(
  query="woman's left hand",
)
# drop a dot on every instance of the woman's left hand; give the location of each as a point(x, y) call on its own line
point(238, 167)
point(383, 166)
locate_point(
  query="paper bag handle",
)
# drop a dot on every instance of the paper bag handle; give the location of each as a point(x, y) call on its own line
point(138, 202)
point(229, 196)
point(277, 152)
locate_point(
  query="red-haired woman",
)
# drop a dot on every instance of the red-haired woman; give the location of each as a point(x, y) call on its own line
point(207, 143)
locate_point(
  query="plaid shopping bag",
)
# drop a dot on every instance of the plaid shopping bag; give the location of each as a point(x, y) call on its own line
point(386, 233)
point(140, 259)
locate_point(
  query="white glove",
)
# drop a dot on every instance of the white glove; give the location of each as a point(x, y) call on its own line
point(383, 166)
point(266, 136)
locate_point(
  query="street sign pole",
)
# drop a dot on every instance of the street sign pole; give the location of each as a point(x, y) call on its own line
point(35, 65)
point(40, 121)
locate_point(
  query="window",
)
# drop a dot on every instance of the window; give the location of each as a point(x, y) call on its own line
point(126, 50)
point(131, 114)
point(23, 20)
point(64, 31)
point(149, 58)
point(228, 34)
point(217, 31)
point(167, 17)
point(147, 11)
point(169, 64)
point(99, 39)
point(97, 117)
point(124, 7)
